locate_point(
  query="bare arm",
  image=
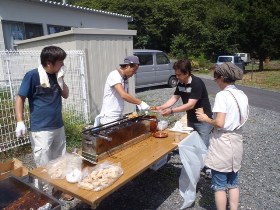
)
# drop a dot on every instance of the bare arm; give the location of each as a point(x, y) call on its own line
point(169, 102)
point(19, 108)
point(185, 107)
point(218, 122)
point(127, 97)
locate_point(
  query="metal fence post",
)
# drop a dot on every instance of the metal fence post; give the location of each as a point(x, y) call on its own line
point(84, 88)
point(7, 62)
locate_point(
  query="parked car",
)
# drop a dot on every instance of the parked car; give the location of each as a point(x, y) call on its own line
point(155, 69)
point(245, 57)
point(231, 58)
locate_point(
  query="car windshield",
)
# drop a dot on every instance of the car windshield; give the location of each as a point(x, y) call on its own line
point(225, 59)
point(237, 60)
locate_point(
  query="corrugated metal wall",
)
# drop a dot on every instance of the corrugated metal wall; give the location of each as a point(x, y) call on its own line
point(105, 49)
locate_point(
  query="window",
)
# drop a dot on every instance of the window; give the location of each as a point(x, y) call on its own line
point(13, 30)
point(33, 30)
point(145, 59)
point(225, 59)
point(162, 58)
point(56, 29)
point(238, 60)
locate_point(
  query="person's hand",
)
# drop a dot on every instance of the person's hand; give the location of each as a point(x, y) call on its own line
point(158, 108)
point(21, 129)
point(166, 112)
point(200, 114)
point(143, 106)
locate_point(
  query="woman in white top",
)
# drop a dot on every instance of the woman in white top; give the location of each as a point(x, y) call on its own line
point(224, 156)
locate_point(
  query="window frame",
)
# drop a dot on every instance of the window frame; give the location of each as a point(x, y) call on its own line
point(6, 24)
point(64, 28)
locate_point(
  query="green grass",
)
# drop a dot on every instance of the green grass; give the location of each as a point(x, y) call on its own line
point(267, 79)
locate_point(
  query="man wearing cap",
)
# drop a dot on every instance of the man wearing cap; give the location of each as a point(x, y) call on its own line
point(116, 92)
point(224, 156)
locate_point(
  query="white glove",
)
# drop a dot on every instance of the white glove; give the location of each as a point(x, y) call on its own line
point(143, 106)
point(60, 75)
point(21, 129)
point(97, 120)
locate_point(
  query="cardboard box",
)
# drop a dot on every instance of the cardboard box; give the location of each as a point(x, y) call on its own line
point(159, 163)
point(14, 167)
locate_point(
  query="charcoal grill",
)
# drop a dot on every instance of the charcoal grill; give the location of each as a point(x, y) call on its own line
point(16, 194)
point(105, 140)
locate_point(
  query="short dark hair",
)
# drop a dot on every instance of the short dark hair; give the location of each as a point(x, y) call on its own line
point(183, 65)
point(52, 54)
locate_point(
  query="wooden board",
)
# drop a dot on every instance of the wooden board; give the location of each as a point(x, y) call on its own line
point(134, 160)
point(12, 166)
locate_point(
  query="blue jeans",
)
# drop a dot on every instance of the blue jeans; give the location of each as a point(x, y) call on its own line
point(204, 129)
point(224, 180)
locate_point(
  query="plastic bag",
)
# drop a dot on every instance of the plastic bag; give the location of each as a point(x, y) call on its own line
point(192, 152)
point(74, 168)
point(162, 125)
point(102, 176)
point(57, 168)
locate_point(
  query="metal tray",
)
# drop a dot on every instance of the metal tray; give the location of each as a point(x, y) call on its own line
point(12, 189)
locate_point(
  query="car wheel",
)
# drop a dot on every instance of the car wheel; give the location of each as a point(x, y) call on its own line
point(172, 82)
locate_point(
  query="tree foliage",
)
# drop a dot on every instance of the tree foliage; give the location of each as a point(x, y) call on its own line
point(207, 28)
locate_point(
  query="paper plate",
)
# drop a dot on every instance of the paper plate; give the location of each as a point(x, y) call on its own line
point(187, 129)
point(160, 134)
point(179, 128)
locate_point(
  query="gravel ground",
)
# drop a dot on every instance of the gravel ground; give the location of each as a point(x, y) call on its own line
point(259, 175)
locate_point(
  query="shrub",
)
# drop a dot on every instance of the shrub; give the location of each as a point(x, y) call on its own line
point(73, 131)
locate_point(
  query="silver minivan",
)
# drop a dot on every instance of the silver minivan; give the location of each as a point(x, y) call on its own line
point(155, 69)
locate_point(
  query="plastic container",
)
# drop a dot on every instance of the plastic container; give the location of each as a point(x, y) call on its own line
point(162, 125)
point(74, 169)
point(153, 123)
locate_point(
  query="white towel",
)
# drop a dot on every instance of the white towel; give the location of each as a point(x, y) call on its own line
point(59, 76)
point(44, 79)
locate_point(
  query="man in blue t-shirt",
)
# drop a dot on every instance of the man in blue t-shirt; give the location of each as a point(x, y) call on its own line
point(44, 87)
